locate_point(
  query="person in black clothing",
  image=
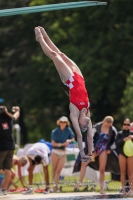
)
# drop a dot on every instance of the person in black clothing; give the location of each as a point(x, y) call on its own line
point(126, 163)
point(7, 144)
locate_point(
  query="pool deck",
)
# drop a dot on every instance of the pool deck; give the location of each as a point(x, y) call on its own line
point(51, 196)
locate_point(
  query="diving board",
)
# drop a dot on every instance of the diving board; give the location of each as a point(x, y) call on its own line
point(49, 7)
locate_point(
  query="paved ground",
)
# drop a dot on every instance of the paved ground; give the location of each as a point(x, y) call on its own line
point(61, 196)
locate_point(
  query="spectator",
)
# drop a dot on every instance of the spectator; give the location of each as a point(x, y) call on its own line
point(7, 144)
point(38, 153)
point(125, 162)
point(19, 162)
point(103, 136)
point(61, 137)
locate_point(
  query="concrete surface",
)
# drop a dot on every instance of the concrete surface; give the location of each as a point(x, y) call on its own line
point(40, 196)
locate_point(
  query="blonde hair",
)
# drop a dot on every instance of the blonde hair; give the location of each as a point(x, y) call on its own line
point(23, 160)
point(127, 120)
point(109, 119)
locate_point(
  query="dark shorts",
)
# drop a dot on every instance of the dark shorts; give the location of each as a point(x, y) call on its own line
point(6, 159)
point(123, 155)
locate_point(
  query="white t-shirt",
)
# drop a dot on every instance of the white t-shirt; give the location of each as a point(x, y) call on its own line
point(40, 149)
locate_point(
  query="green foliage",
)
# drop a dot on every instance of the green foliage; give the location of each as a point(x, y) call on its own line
point(68, 183)
point(127, 100)
point(99, 39)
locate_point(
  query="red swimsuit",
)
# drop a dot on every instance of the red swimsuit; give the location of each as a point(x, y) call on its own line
point(78, 92)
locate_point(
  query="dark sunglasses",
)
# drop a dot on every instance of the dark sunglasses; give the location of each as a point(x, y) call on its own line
point(126, 124)
point(62, 122)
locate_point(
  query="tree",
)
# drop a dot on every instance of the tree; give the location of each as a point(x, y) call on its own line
point(127, 100)
point(99, 39)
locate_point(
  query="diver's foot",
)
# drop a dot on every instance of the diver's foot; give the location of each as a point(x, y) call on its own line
point(38, 33)
point(43, 32)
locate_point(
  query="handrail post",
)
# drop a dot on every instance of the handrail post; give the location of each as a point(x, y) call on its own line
point(17, 128)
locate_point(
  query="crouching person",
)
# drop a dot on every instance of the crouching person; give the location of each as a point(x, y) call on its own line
point(37, 154)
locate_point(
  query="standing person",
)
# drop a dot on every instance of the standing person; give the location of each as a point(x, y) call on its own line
point(38, 153)
point(7, 144)
point(104, 134)
point(72, 77)
point(126, 163)
point(61, 137)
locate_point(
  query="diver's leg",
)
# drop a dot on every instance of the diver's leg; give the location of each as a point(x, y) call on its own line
point(67, 60)
point(63, 69)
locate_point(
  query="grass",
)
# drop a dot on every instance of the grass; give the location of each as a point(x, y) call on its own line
point(68, 183)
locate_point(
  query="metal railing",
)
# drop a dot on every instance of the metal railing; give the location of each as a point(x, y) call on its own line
point(17, 129)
